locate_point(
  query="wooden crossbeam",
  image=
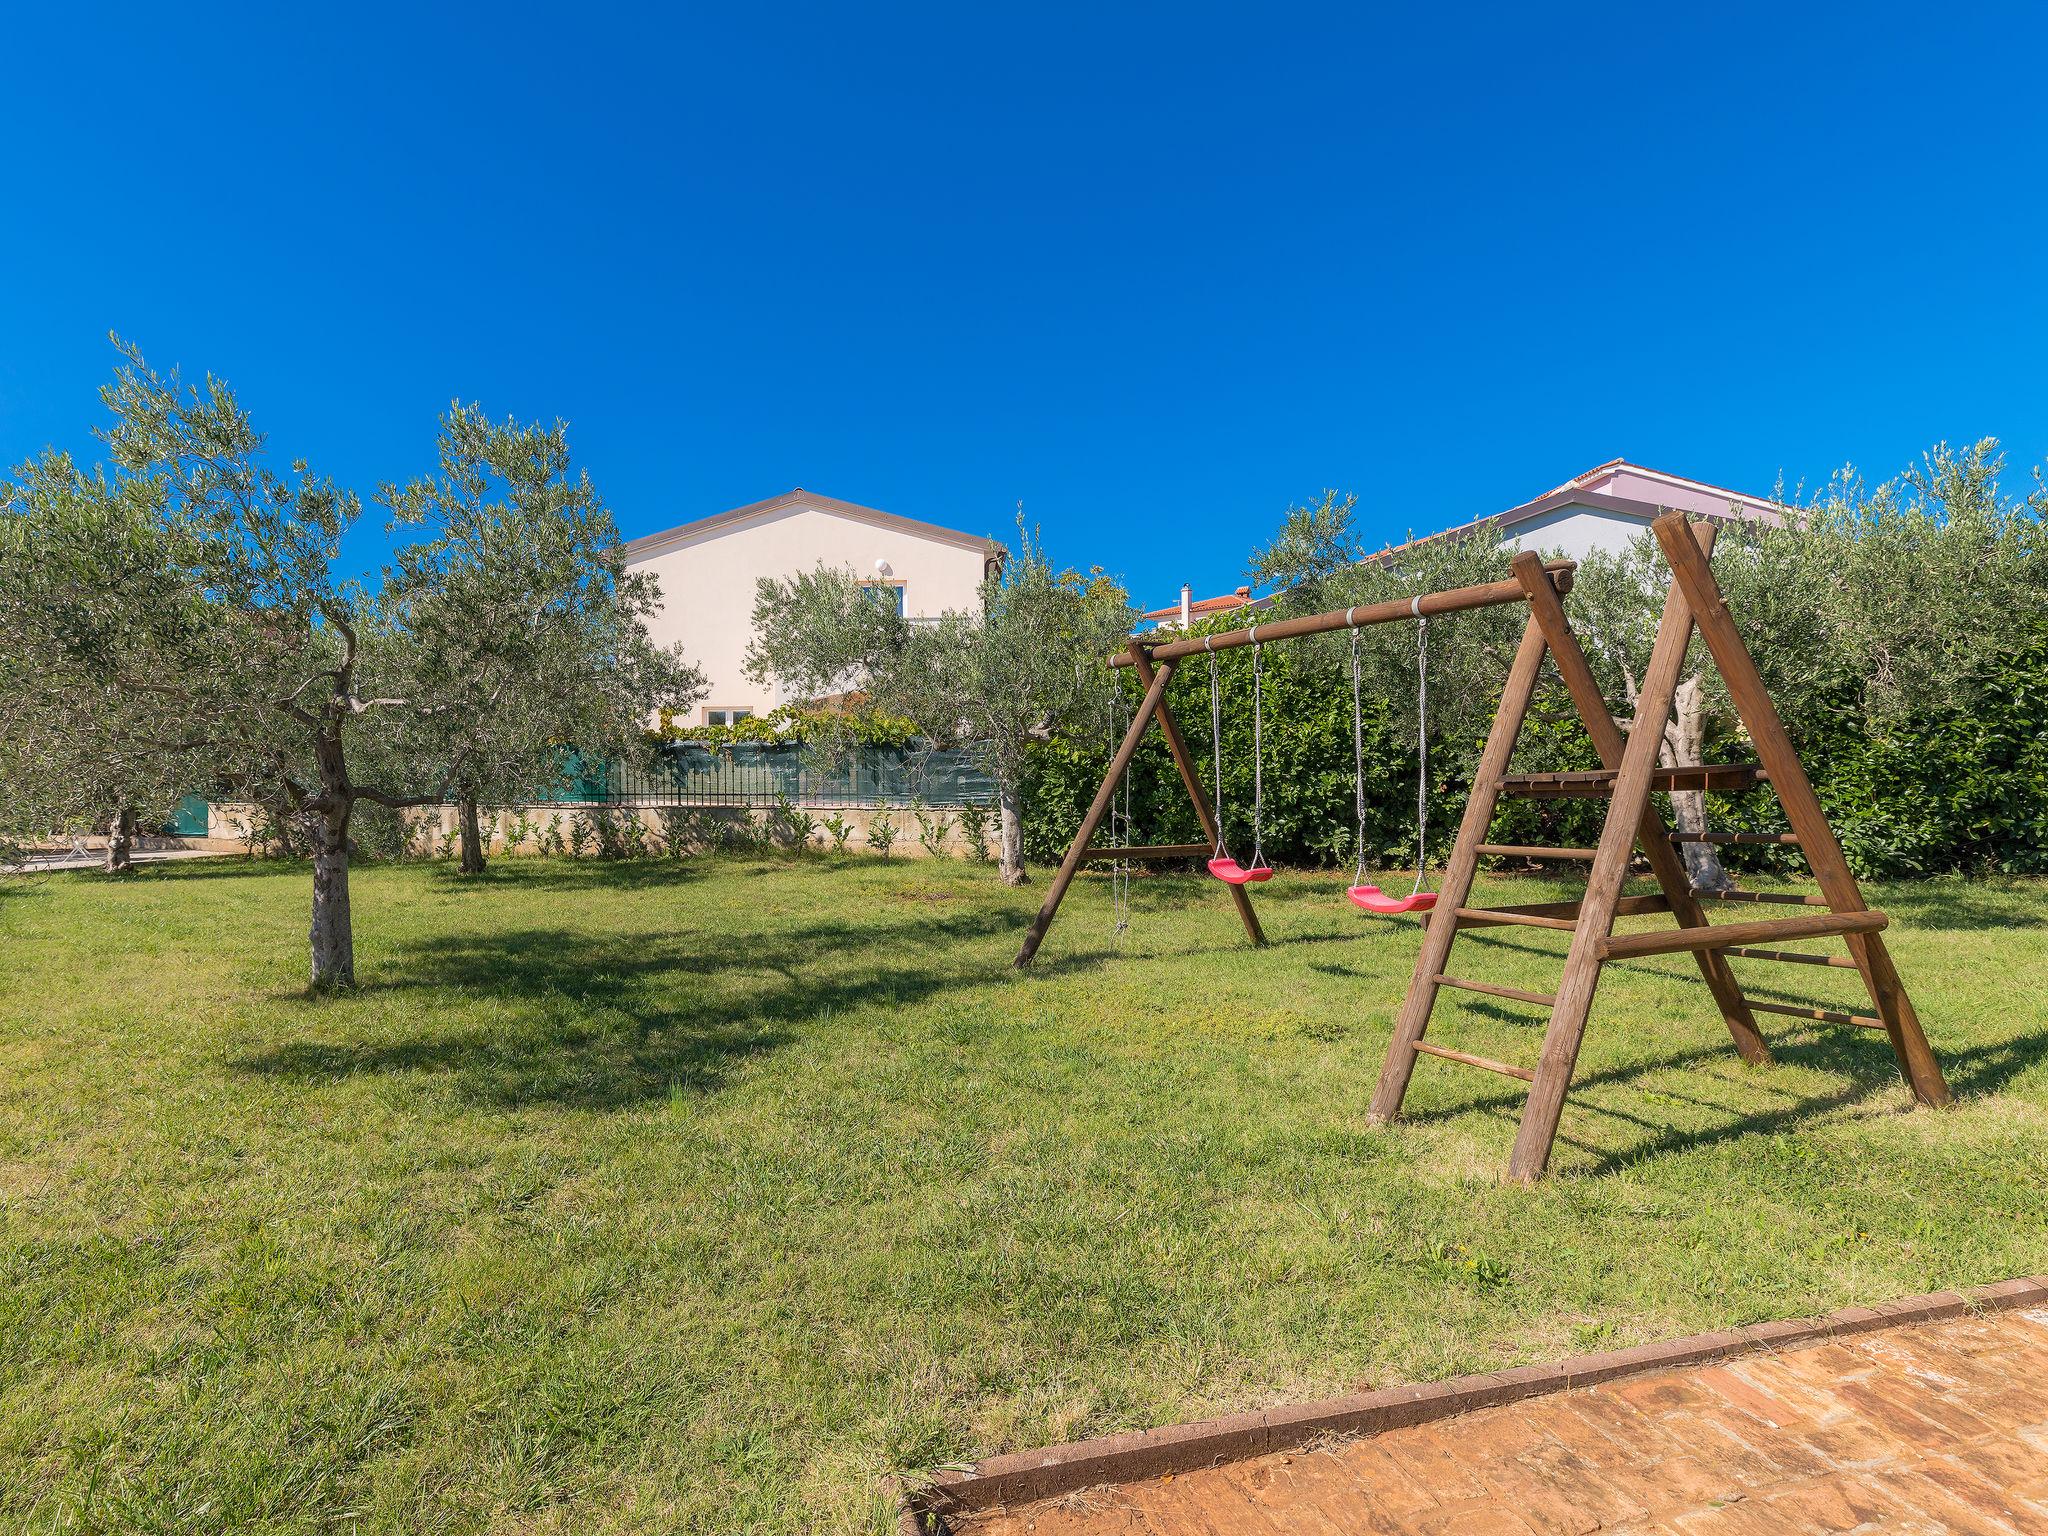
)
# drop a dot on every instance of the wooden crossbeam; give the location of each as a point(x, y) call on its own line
point(1790, 956)
point(1152, 851)
point(1774, 898)
point(1777, 839)
point(1593, 782)
point(1821, 925)
point(1824, 1015)
point(1528, 851)
point(1429, 605)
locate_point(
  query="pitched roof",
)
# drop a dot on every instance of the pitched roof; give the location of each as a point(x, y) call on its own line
point(1204, 605)
point(661, 543)
point(1631, 490)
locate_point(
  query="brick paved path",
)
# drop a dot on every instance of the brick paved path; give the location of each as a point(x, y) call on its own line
point(1935, 1427)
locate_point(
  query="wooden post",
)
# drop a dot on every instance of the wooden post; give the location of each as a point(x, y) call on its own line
point(1665, 864)
point(1457, 880)
point(1695, 578)
point(1631, 797)
point(1192, 779)
point(1096, 811)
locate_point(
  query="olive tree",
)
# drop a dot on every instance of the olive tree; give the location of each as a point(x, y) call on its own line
point(518, 601)
point(91, 601)
point(1027, 662)
point(296, 688)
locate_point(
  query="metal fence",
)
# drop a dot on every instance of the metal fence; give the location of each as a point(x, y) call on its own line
point(764, 773)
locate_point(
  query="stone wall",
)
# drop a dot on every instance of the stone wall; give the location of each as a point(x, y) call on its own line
point(707, 823)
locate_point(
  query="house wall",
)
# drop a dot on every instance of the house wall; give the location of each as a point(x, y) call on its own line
point(707, 586)
point(1577, 531)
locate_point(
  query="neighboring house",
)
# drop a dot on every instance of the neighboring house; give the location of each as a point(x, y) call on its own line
point(1190, 608)
point(1605, 508)
point(1602, 509)
point(708, 569)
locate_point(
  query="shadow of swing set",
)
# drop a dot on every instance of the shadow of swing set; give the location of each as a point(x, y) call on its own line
point(1627, 779)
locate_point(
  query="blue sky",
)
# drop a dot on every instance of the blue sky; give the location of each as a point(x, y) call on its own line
point(1156, 272)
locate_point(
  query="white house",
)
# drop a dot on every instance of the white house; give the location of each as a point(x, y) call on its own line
point(707, 570)
point(1606, 507)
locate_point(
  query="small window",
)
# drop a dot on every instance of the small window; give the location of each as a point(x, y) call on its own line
point(886, 594)
point(727, 716)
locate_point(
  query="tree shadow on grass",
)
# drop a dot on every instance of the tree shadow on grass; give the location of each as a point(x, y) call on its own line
point(609, 1023)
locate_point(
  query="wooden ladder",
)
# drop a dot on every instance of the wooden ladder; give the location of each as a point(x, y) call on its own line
point(1629, 776)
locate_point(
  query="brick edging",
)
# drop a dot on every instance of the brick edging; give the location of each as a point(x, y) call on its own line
point(1022, 1476)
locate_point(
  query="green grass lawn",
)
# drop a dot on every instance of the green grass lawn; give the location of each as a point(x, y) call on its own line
point(695, 1196)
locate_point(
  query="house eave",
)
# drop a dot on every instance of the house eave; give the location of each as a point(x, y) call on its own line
point(648, 546)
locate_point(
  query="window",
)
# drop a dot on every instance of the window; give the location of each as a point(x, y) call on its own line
point(886, 594)
point(727, 716)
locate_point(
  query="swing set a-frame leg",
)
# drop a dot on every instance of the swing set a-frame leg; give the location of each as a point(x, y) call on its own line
point(1155, 675)
point(1753, 704)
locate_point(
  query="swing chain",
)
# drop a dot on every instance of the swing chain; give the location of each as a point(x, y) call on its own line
point(1357, 761)
point(1421, 740)
point(1216, 742)
point(1258, 757)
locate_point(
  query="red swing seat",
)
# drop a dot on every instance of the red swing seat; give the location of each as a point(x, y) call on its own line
point(1230, 872)
point(1371, 898)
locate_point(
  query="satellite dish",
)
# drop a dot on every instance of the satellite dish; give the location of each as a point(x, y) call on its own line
point(882, 568)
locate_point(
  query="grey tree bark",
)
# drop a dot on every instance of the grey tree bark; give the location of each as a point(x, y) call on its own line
point(1011, 804)
point(472, 837)
point(1685, 739)
point(333, 935)
point(121, 842)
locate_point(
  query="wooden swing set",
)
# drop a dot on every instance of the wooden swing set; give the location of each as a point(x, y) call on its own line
point(1627, 779)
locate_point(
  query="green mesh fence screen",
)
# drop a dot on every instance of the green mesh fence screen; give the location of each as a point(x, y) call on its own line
point(762, 773)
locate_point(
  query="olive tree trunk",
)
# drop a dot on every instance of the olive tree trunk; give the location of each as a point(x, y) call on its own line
point(121, 842)
point(1010, 802)
point(1685, 738)
point(472, 837)
point(334, 940)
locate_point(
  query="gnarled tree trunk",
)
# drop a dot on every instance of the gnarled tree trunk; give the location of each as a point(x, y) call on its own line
point(121, 842)
point(1011, 804)
point(334, 942)
point(1685, 738)
point(472, 837)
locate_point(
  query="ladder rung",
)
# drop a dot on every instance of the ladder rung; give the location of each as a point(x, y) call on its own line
point(1477, 1061)
point(1520, 851)
point(1151, 851)
point(1722, 936)
point(1554, 914)
point(1600, 781)
point(1780, 839)
point(1793, 956)
point(1783, 898)
point(1540, 999)
point(1825, 1015)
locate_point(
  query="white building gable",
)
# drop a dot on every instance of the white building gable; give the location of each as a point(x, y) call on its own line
point(708, 570)
point(1607, 507)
